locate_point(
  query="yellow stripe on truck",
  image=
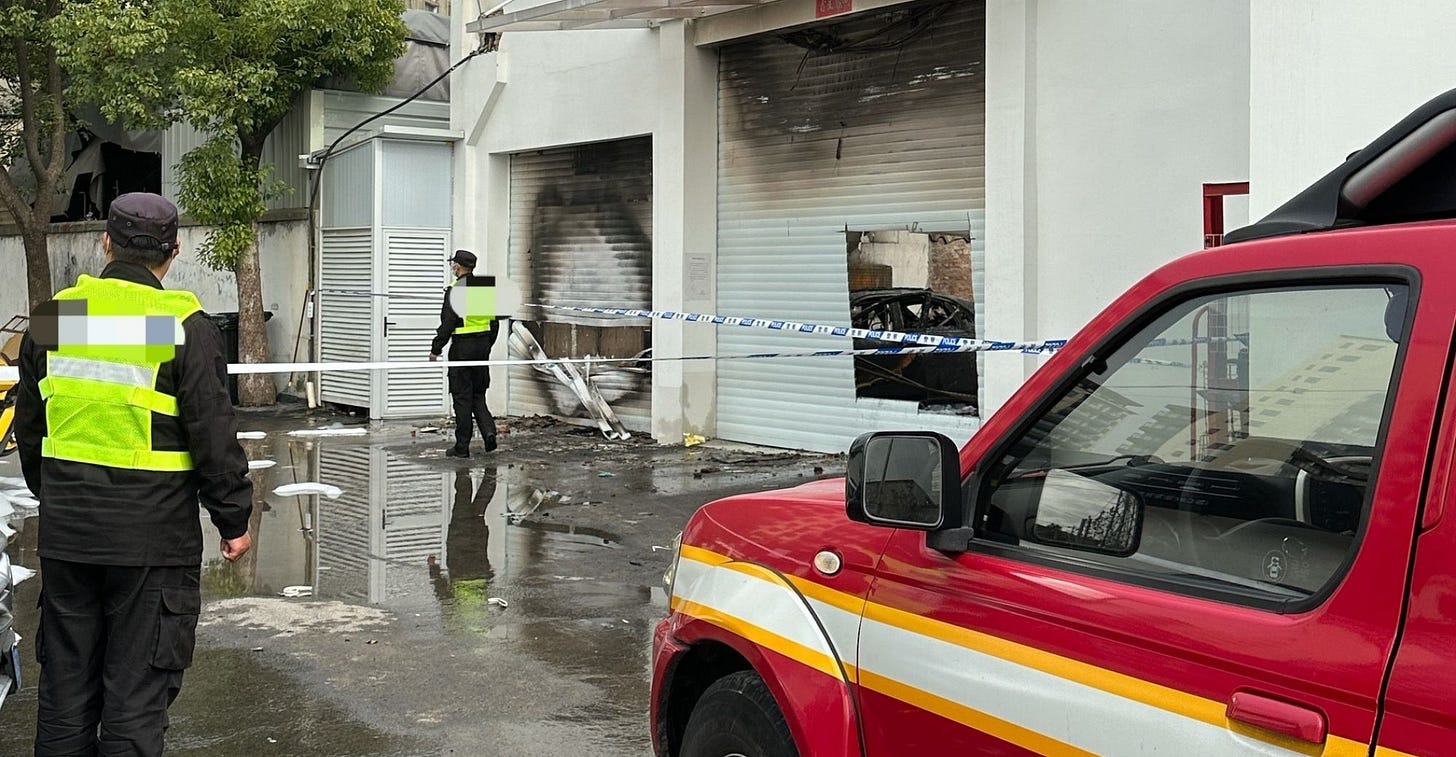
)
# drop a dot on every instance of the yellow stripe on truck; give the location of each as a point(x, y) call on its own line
point(970, 718)
point(1124, 686)
point(762, 637)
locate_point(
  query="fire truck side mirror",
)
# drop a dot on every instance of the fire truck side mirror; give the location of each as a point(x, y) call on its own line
point(904, 479)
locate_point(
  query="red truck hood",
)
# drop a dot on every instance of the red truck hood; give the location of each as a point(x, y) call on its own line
point(786, 528)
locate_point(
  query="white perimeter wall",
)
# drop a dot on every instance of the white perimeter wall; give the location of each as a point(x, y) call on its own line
point(283, 256)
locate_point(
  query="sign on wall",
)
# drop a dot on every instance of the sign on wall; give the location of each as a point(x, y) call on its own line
point(826, 8)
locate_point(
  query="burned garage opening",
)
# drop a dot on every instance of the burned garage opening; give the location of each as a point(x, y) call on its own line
point(581, 236)
point(919, 283)
point(865, 130)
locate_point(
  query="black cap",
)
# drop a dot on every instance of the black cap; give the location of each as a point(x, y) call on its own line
point(143, 221)
point(463, 257)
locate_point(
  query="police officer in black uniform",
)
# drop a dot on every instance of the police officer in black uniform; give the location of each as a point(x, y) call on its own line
point(474, 335)
point(120, 450)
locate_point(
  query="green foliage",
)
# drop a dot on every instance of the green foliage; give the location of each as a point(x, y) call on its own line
point(25, 22)
point(226, 193)
point(223, 65)
point(230, 68)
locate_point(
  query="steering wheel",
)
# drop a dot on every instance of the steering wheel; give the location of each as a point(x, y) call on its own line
point(1270, 549)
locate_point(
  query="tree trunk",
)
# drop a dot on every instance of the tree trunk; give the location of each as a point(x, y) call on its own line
point(37, 264)
point(254, 390)
point(257, 389)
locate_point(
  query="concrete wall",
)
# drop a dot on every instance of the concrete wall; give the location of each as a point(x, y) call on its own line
point(1331, 75)
point(283, 246)
point(1103, 122)
point(907, 253)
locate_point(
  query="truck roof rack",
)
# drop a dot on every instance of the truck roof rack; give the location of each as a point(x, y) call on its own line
point(1407, 174)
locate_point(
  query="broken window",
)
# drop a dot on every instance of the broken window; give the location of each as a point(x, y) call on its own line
point(915, 282)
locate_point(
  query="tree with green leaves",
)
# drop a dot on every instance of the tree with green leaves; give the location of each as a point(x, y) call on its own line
point(32, 130)
point(232, 69)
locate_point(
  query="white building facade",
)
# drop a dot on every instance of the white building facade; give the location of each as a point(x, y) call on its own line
point(737, 158)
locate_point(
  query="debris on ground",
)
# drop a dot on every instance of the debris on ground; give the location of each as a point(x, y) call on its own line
point(497, 601)
point(693, 440)
point(606, 474)
point(309, 487)
point(296, 591)
point(334, 430)
point(252, 435)
point(19, 574)
point(531, 421)
point(260, 464)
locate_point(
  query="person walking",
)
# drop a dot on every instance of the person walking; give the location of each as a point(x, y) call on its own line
point(467, 319)
point(124, 425)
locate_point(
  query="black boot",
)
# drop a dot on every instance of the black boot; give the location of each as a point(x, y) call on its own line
point(490, 444)
point(457, 451)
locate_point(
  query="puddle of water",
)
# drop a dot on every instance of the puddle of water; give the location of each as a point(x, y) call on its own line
point(416, 539)
point(429, 546)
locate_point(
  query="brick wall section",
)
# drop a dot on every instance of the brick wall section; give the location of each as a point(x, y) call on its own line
point(950, 266)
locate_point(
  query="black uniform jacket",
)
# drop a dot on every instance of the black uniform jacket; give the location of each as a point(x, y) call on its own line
point(450, 320)
point(111, 516)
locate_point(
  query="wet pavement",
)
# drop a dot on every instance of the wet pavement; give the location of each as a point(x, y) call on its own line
point(501, 605)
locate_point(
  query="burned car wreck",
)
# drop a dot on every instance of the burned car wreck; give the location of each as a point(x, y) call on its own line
point(946, 380)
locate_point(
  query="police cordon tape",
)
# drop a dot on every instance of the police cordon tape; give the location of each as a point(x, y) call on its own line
point(796, 327)
point(923, 340)
point(12, 373)
point(912, 344)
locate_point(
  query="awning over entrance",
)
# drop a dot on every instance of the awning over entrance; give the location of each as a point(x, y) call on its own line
point(605, 14)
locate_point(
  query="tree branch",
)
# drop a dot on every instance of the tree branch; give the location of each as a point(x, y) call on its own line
point(58, 109)
point(11, 199)
point(28, 126)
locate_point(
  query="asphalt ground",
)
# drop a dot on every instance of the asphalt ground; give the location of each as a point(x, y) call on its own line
point(500, 605)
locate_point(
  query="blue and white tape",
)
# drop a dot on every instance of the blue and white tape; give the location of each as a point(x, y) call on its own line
point(944, 343)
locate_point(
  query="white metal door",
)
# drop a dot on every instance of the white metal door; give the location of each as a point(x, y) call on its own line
point(346, 317)
point(812, 145)
point(415, 279)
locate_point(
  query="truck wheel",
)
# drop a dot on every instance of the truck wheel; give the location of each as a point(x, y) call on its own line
point(737, 717)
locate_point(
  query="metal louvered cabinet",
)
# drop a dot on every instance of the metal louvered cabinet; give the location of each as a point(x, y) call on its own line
point(382, 272)
point(581, 235)
point(814, 146)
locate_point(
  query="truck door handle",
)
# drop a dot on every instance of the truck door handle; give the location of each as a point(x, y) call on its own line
point(1292, 720)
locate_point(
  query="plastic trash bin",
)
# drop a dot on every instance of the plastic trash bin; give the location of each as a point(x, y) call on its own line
point(227, 323)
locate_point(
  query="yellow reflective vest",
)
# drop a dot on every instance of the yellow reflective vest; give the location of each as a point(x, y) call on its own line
point(100, 387)
point(478, 304)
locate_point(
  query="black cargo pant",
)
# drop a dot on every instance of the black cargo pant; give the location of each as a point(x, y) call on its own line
point(467, 389)
point(112, 645)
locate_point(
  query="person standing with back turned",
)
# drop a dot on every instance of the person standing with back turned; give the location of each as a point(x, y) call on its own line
point(468, 319)
point(124, 424)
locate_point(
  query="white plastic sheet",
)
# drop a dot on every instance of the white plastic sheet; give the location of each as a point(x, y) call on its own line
point(310, 487)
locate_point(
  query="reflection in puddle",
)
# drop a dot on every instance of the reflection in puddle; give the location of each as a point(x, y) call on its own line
point(402, 534)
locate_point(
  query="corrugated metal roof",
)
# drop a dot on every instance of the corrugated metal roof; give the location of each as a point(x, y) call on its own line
point(604, 14)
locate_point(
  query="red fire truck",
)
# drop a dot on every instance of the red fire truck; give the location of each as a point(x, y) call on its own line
point(1213, 524)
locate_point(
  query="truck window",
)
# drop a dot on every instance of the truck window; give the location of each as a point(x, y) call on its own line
point(1245, 426)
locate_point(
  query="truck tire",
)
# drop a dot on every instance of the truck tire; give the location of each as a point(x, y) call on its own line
point(738, 717)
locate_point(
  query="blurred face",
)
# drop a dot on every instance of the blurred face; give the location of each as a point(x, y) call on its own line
point(458, 270)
